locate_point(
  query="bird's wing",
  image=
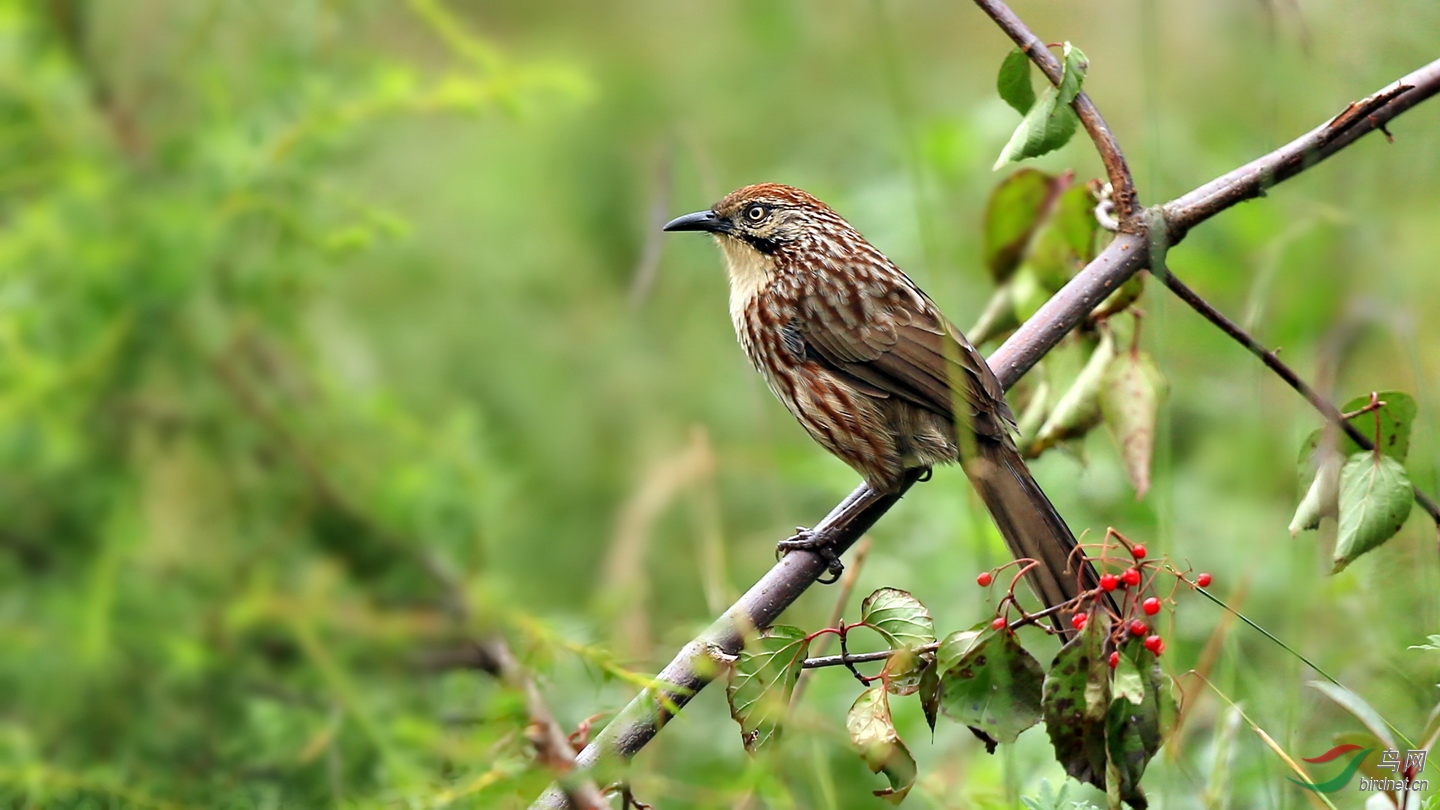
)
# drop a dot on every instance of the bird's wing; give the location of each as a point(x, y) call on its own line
point(896, 343)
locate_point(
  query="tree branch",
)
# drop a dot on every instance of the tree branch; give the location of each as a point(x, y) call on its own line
point(695, 665)
point(1254, 178)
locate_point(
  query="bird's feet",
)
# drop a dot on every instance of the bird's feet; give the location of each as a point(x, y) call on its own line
point(805, 540)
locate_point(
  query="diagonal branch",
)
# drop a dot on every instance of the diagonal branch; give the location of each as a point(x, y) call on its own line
point(696, 665)
point(1253, 179)
point(1284, 372)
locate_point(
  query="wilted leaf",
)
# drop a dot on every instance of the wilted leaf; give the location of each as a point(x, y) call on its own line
point(1034, 413)
point(1075, 701)
point(873, 732)
point(1079, 408)
point(1370, 765)
point(997, 318)
point(930, 694)
point(1126, 749)
point(1130, 401)
point(1375, 499)
point(1322, 499)
point(1134, 720)
point(1434, 644)
point(762, 681)
point(1049, 122)
point(1017, 207)
point(994, 687)
point(1357, 706)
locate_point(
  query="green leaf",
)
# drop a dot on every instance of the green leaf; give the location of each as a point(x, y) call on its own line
point(1121, 299)
point(1049, 123)
point(1396, 417)
point(1322, 465)
point(1375, 499)
point(955, 645)
point(898, 616)
point(905, 624)
point(1016, 209)
point(1076, 64)
point(1013, 82)
point(872, 730)
point(1065, 243)
point(1130, 403)
point(994, 687)
point(1027, 292)
point(762, 681)
point(1074, 703)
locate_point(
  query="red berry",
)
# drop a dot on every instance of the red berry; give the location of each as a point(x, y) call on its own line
point(1138, 628)
point(1151, 606)
point(1154, 644)
point(1131, 576)
point(1078, 621)
point(1114, 660)
point(984, 579)
point(999, 623)
point(1108, 582)
point(1137, 551)
point(1203, 580)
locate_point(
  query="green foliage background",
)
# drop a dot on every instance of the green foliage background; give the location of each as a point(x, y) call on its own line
point(335, 333)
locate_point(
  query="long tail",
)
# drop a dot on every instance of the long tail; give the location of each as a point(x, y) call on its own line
point(1031, 526)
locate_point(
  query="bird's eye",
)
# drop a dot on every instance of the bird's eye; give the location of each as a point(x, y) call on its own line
point(756, 213)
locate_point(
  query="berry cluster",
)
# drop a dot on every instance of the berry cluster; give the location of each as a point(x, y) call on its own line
point(1136, 584)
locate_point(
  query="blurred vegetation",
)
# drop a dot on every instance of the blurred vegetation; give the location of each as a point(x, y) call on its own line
point(335, 333)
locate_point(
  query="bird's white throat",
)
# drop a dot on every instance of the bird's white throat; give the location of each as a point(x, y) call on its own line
point(750, 273)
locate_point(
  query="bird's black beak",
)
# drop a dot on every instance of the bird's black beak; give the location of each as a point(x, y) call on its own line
point(705, 221)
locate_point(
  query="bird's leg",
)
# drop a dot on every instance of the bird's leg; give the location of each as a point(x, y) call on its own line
point(822, 542)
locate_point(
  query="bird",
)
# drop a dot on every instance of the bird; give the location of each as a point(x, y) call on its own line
point(876, 374)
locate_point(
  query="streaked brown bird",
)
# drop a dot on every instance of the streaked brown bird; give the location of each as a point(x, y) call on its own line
point(873, 370)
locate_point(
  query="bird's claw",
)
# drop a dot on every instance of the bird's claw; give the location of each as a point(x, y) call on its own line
point(805, 540)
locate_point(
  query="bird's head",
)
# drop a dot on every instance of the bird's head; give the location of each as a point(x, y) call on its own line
point(766, 218)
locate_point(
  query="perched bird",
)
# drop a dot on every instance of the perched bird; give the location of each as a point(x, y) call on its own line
point(874, 372)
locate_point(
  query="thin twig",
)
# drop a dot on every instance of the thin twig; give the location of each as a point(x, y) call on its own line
point(552, 744)
point(1284, 372)
point(1127, 200)
point(694, 666)
point(818, 661)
